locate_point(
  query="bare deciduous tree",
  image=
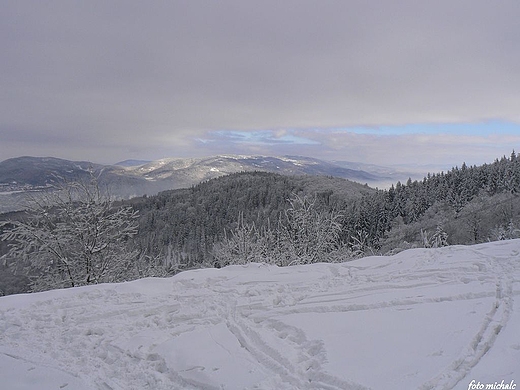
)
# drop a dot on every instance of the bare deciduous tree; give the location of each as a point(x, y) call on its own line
point(73, 236)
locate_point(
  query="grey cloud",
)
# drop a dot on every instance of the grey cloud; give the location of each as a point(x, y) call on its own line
point(152, 77)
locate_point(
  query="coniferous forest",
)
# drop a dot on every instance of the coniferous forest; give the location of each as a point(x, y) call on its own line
point(225, 220)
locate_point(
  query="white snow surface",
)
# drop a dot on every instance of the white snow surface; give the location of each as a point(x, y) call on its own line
point(422, 319)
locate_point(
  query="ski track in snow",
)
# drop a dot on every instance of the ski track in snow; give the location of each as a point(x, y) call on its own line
point(264, 327)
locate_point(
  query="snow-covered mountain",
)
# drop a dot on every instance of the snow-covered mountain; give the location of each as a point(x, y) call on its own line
point(136, 178)
point(204, 168)
point(446, 318)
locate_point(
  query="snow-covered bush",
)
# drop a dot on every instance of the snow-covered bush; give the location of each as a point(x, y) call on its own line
point(438, 239)
point(309, 235)
point(304, 235)
point(241, 246)
point(507, 232)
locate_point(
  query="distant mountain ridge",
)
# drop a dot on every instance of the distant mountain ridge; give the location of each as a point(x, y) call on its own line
point(137, 177)
point(42, 171)
point(206, 168)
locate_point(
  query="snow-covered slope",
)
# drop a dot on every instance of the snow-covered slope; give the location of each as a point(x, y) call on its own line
point(423, 319)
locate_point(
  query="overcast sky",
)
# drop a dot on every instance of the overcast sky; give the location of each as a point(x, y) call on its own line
point(383, 82)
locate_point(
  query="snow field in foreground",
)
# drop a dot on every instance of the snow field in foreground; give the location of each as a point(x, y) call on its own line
point(423, 319)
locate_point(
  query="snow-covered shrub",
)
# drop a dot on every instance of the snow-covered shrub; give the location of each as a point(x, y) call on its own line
point(507, 232)
point(309, 235)
point(304, 235)
point(241, 246)
point(438, 239)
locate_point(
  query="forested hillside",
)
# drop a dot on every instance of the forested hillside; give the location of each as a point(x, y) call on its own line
point(465, 205)
point(184, 225)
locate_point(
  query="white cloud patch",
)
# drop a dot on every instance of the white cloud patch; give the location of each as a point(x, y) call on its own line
point(266, 137)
